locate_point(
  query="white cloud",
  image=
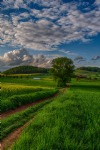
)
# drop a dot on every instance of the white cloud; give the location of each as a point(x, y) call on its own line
point(16, 57)
point(22, 57)
point(56, 23)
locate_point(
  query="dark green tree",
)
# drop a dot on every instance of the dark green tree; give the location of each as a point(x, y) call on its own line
point(62, 70)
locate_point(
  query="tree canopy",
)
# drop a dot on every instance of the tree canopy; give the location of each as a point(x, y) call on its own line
point(62, 70)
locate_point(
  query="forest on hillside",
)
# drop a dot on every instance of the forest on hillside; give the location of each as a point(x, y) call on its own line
point(25, 70)
point(92, 69)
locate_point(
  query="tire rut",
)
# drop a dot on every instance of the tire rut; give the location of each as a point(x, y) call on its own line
point(8, 141)
point(21, 108)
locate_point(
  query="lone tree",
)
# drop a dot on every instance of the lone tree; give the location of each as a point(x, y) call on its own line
point(62, 70)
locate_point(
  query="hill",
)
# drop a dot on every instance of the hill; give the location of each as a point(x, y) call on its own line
point(25, 70)
point(92, 69)
point(89, 72)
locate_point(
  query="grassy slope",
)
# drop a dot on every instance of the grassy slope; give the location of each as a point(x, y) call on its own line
point(87, 73)
point(71, 122)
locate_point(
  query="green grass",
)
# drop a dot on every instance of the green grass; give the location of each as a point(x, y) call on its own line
point(19, 91)
point(18, 100)
point(70, 122)
point(89, 74)
point(24, 116)
point(45, 81)
point(86, 85)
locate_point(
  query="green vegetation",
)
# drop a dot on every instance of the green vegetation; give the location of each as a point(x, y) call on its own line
point(92, 69)
point(69, 122)
point(24, 116)
point(62, 70)
point(25, 70)
point(17, 89)
point(19, 100)
point(91, 75)
point(16, 92)
point(86, 85)
point(45, 81)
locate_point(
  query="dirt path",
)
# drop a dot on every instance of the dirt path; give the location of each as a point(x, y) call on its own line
point(8, 141)
point(19, 109)
point(12, 137)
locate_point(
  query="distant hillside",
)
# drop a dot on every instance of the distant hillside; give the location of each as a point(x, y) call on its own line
point(91, 69)
point(25, 70)
point(88, 72)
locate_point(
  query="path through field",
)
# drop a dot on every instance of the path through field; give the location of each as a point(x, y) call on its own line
point(8, 141)
point(21, 108)
point(11, 138)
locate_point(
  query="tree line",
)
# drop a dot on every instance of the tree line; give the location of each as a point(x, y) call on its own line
point(92, 69)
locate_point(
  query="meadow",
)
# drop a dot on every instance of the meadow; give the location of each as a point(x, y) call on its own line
point(69, 121)
point(16, 92)
point(89, 74)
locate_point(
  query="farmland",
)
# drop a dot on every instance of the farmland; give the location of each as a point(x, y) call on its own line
point(88, 74)
point(68, 121)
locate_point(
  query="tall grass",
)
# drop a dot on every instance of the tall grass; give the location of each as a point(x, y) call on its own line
point(6, 124)
point(71, 122)
point(19, 100)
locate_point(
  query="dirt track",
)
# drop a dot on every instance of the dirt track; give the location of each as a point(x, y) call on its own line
point(19, 109)
point(12, 137)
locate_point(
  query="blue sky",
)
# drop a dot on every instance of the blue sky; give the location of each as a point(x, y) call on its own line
point(39, 30)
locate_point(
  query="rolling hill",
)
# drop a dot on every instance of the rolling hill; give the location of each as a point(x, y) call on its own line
point(25, 70)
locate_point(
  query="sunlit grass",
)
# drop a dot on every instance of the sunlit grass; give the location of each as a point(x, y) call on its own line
point(71, 122)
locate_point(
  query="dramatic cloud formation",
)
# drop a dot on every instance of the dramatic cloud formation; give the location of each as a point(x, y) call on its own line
point(16, 57)
point(22, 57)
point(44, 25)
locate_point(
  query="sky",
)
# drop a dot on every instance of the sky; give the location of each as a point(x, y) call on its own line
point(33, 32)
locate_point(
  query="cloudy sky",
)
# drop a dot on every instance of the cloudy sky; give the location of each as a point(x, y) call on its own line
point(34, 32)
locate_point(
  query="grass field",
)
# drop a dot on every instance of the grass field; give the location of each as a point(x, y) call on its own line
point(16, 92)
point(89, 74)
point(18, 100)
point(69, 121)
point(24, 116)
